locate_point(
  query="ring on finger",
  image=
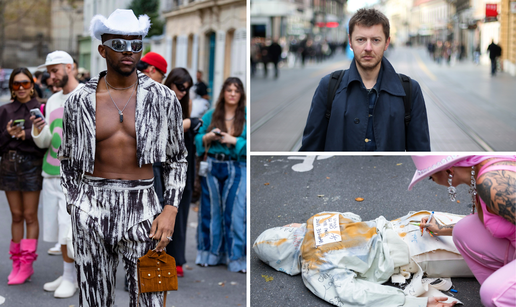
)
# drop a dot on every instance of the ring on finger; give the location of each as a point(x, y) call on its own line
point(169, 238)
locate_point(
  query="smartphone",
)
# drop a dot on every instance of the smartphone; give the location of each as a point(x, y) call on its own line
point(217, 133)
point(36, 112)
point(19, 123)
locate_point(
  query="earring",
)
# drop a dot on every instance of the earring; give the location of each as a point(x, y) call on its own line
point(32, 92)
point(452, 192)
point(13, 94)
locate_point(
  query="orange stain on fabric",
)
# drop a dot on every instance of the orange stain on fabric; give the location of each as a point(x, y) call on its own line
point(352, 234)
point(273, 243)
point(402, 234)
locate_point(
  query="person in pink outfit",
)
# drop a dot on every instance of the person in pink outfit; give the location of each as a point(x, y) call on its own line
point(486, 239)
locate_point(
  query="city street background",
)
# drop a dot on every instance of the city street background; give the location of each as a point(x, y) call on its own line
point(468, 110)
point(291, 189)
point(199, 286)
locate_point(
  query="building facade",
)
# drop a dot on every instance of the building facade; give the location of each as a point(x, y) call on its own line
point(206, 35)
point(508, 35)
point(67, 26)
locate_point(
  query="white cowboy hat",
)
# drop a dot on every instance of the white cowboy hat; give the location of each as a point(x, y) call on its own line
point(121, 22)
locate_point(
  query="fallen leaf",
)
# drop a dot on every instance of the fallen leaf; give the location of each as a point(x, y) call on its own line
point(320, 195)
point(279, 215)
point(266, 183)
point(327, 177)
point(227, 296)
point(188, 267)
point(268, 278)
point(458, 201)
point(359, 199)
point(399, 164)
point(221, 284)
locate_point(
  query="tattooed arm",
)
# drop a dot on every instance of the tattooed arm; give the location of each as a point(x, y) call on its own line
point(436, 228)
point(498, 191)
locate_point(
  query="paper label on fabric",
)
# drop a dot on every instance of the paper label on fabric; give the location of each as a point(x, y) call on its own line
point(326, 229)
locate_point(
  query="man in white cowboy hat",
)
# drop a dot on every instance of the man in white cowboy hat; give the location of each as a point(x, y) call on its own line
point(47, 133)
point(115, 127)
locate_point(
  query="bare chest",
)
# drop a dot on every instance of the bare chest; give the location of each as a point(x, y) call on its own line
point(115, 115)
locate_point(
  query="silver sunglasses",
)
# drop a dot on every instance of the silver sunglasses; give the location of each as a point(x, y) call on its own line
point(121, 45)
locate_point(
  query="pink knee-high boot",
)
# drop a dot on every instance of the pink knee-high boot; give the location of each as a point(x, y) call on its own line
point(14, 251)
point(28, 256)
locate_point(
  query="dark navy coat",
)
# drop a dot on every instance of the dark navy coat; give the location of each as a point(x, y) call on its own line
point(346, 129)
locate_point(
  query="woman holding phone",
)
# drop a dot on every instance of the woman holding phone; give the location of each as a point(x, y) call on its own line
point(20, 173)
point(222, 213)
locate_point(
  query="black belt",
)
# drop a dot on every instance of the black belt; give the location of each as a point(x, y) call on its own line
point(221, 157)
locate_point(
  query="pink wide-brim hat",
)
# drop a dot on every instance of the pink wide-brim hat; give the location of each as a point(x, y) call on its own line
point(428, 165)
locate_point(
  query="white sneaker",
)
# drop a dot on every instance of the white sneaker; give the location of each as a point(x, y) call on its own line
point(53, 285)
point(66, 289)
point(56, 250)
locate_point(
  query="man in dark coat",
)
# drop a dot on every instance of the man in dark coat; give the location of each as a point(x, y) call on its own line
point(275, 55)
point(367, 111)
point(494, 52)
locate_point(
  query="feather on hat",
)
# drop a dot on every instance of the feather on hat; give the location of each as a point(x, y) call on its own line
point(121, 22)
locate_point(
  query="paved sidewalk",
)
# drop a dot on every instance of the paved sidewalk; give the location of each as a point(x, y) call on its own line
point(211, 286)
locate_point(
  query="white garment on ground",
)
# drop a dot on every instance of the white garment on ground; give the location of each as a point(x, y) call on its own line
point(56, 220)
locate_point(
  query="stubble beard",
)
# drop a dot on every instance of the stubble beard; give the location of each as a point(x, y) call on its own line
point(370, 66)
point(63, 82)
point(117, 68)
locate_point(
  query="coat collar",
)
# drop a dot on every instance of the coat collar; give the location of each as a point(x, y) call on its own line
point(389, 82)
point(31, 104)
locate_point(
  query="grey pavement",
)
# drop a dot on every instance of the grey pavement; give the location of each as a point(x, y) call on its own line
point(282, 194)
point(468, 110)
point(211, 286)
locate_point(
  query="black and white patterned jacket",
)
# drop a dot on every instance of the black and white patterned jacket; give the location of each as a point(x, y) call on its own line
point(159, 136)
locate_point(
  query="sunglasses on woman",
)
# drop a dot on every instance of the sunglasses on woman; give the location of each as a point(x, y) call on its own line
point(25, 84)
point(180, 87)
point(121, 45)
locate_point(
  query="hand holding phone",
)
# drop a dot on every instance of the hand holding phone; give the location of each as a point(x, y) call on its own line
point(217, 133)
point(19, 123)
point(37, 113)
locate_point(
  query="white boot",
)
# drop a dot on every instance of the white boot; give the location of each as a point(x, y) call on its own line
point(53, 285)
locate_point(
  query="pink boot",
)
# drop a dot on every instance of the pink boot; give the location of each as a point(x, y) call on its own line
point(14, 250)
point(28, 256)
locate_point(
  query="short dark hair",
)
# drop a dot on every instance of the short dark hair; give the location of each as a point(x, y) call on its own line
point(37, 74)
point(369, 18)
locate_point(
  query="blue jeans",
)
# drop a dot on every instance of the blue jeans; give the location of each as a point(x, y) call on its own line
point(221, 233)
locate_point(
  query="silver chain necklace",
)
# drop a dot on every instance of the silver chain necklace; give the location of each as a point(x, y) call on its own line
point(120, 88)
point(473, 189)
point(120, 112)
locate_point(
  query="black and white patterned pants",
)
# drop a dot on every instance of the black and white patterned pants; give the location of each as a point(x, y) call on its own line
point(112, 217)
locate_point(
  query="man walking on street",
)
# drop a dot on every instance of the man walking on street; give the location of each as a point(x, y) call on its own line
point(115, 127)
point(274, 56)
point(368, 111)
point(494, 52)
point(47, 133)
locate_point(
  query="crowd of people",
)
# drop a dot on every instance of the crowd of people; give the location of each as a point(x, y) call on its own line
point(135, 174)
point(292, 51)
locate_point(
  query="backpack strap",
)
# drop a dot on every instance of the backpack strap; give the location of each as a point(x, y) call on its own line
point(333, 84)
point(407, 102)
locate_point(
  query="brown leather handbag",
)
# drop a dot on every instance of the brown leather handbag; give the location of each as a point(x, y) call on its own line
point(156, 273)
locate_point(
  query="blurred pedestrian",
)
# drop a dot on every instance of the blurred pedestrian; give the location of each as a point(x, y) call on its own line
point(201, 101)
point(476, 55)
point(486, 239)
point(222, 213)
point(364, 109)
point(20, 177)
point(179, 80)
point(153, 65)
point(274, 56)
point(495, 51)
point(51, 88)
point(47, 133)
point(37, 83)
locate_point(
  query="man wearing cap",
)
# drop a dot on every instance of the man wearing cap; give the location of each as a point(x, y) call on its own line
point(48, 134)
point(153, 65)
point(115, 127)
